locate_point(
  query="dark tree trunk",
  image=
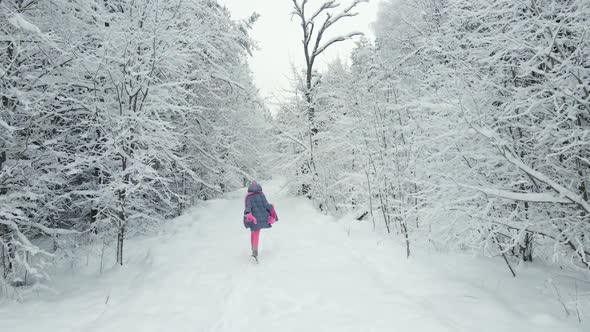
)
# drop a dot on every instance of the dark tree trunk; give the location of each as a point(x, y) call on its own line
point(120, 240)
point(526, 249)
point(406, 237)
point(2, 158)
point(6, 251)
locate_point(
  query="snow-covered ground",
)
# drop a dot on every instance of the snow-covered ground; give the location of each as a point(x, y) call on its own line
point(314, 275)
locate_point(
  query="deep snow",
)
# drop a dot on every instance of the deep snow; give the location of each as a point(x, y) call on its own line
point(314, 275)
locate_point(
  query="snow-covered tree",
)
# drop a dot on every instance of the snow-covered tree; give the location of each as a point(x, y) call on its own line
point(468, 121)
point(316, 24)
point(119, 117)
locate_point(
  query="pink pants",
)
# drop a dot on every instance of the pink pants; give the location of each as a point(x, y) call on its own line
point(254, 237)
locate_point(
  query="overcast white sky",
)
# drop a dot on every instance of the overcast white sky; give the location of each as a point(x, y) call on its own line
point(279, 39)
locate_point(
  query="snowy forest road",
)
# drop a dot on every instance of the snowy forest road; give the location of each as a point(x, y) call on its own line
point(314, 275)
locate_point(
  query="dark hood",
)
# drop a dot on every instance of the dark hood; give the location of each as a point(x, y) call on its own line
point(254, 187)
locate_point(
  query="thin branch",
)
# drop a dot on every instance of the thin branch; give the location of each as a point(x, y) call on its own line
point(348, 36)
point(325, 6)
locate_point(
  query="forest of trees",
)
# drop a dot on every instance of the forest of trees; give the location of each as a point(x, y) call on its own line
point(115, 115)
point(465, 124)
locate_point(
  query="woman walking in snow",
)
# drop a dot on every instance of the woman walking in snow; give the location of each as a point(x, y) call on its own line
point(258, 214)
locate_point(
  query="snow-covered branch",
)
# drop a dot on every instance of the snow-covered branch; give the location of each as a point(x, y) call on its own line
point(525, 197)
point(327, 44)
point(561, 190)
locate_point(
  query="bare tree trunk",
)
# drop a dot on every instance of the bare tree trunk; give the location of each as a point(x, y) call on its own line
point(407, 238)
point(7, 251)
point(526, 249)
point(122, 215)
point(4, 263)
point(120, 240)
point(370, 199)
point(2, 158)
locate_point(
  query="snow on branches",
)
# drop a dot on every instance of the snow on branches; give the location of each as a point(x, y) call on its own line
point(466, 124)
point(120, 116)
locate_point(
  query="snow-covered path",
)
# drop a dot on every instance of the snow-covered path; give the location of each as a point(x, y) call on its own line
point(314, 275)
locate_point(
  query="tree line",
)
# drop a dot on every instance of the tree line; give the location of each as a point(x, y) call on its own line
point(115, 115)
point(465, 124)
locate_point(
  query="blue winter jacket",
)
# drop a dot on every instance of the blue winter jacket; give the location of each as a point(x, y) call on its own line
point(259, 206)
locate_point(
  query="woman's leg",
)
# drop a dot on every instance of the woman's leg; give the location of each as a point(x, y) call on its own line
point(254, 238)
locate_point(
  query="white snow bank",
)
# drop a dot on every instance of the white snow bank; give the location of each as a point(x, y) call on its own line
point(314, 275)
